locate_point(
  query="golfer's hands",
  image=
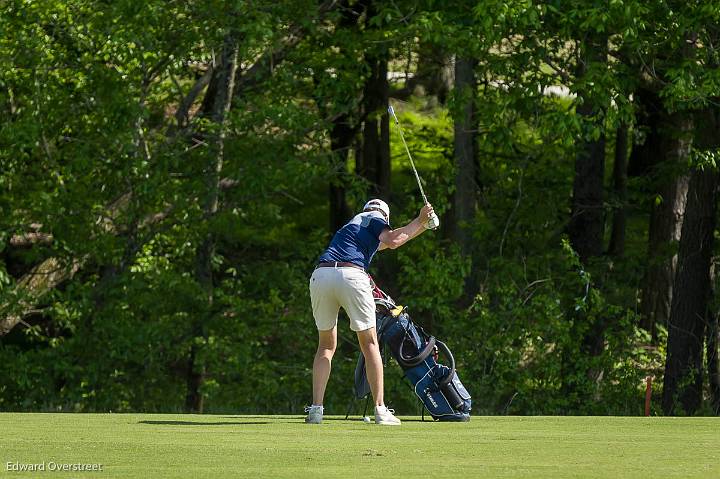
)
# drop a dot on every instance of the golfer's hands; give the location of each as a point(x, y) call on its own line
point(425, 213)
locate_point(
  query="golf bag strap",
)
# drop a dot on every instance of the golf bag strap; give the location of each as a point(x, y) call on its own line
point(422, 355)
point(442, 347)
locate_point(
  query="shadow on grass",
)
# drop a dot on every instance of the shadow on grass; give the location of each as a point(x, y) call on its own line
point(302, 419)
point(356, 419)
point(195, 423)
point(279, 416)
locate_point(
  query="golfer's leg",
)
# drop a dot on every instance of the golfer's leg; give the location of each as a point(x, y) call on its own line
point(325, 311)
point(373, 363)
point(356, 297)
point(327, 342)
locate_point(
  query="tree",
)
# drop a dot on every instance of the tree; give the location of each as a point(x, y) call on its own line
point(690, 326)
point(373, 160)
point(342, 135)
point(666, 217)
point(216, 108)
point(587, 222)
point(713, 359)
point(620, 190)
point(682, 50)
point(682, 387)
point(465, 152)
point(434, 73)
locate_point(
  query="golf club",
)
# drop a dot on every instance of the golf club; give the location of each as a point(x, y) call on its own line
point(433, 221)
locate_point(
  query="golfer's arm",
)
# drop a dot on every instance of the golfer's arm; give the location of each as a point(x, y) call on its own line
point(395, 238)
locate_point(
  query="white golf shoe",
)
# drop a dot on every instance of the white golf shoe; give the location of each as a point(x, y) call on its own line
point(315, 414)
point(385, 416)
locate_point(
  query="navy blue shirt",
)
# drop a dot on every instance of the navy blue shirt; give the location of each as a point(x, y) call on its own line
point(358, 241)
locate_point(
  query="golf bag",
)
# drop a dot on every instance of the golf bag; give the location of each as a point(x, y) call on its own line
point(417, 353)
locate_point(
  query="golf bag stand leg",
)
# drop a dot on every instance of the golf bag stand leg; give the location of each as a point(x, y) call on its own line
point(352, 402)
point(349, 408)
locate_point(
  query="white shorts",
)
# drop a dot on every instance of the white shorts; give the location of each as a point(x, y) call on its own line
point(334, 287)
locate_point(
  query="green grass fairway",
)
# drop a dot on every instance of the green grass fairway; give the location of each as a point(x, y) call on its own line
point(156, 446)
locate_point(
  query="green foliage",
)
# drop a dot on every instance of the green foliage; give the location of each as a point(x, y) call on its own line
point(92, 154)
point(523, 344)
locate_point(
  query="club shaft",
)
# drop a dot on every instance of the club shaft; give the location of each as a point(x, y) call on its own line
point(412, 163)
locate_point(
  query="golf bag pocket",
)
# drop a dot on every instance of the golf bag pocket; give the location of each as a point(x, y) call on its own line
point(452, 394)
point(445, 400)
point(457, 395)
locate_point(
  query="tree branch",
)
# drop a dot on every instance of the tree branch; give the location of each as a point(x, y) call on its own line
point(29, 239)
point(183, 112)
point(274, 56)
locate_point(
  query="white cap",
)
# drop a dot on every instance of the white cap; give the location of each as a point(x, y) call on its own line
point(380, 205)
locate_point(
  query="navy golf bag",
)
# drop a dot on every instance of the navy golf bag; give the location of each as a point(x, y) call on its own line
point(417, 353)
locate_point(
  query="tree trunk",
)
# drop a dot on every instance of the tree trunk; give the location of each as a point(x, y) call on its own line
point(712, 352)
point(341, 139)
point(644, 157)
point(707, 136)
point(374, 162)
point(384, 163)
point(587, 223)
point(218, 109)
point(342, 134)
point(684, 364)
point(617, 236)
point(466, 188)
point(434, 73)
point(713, 359)
point(666, 220)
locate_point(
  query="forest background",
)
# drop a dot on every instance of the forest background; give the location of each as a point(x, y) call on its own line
point(171, 170)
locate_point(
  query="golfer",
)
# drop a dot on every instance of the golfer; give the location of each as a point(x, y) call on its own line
point(341, 280)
